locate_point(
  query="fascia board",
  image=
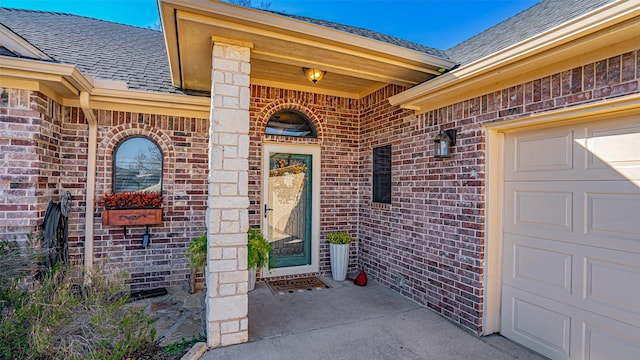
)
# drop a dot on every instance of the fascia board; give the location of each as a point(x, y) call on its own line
point(151, 103)
point(18, 44)
point(102, 92)
point(79, 80)
point(170, 34)
point(260, 19)
point(606, 16)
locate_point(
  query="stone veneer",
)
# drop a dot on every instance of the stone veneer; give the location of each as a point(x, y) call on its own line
point(227, 212)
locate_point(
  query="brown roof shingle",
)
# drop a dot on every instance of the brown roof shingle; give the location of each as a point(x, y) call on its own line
point(528, 23)
point(102, 49)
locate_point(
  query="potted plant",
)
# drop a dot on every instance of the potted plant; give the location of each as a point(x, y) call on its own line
point(197, 251)
point(131, 208)
point(339, 249)
point(257, 254)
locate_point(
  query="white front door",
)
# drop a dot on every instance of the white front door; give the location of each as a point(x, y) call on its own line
point(571, 240)
point(291, 207)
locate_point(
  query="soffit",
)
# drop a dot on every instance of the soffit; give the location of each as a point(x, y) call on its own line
point(281, 47)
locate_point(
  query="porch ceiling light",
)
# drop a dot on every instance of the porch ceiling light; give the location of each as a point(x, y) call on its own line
point(444, 141)
point(314, 74)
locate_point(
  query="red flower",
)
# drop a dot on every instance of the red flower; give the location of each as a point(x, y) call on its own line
point(138, 199)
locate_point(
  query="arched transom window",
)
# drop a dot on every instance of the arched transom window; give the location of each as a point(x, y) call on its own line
point(137, 165)
point(290, 123)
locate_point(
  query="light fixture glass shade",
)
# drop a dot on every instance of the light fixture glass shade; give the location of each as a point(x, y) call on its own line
point(314, 74)
point(444, 141)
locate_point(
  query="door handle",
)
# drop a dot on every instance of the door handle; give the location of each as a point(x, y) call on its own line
point(266, 208)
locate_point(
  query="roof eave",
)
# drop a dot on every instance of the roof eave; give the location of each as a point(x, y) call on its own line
point(612, 21)
point(251, 18)
point(64, 83)
point(262, 18)
point(19, 45)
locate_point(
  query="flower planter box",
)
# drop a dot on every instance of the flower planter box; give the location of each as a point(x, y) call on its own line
point(131, 217)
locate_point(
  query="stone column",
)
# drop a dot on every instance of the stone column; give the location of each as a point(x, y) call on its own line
point(227, 213)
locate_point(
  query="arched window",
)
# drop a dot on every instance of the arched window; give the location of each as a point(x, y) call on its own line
point(290, 123)
point(137, 166)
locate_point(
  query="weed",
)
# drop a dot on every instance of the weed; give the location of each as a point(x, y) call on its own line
point(183, 345)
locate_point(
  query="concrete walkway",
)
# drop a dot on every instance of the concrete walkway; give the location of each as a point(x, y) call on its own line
point(351, 322)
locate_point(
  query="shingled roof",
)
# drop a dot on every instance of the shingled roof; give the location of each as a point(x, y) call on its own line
point(530, 22)
point(113, 51)
point(369, 34)
point(102, 49)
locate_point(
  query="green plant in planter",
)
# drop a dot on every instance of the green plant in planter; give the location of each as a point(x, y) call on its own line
point(339, 237)
point(198, 251)
point(257, 250)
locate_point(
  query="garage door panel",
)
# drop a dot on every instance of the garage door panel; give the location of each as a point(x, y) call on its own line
point(538, 265)
point(538, 207)
point(615, 215)
point(611, 284)
point(571, 240)
point(611, 149)
point(537, 324)
point(561, 331)
point(602, 339)
point(546, 152)
point(599, 280)
point(606, 150)
point(607, 215)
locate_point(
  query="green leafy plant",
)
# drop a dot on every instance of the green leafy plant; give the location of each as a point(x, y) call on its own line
point(257, 249)
point(56, 317)
point(198, 251)
point(183, 345)
point(339, 237)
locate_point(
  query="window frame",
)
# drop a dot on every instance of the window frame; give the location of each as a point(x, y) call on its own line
point(312, 128)
point(384, 184)
point(115, 157)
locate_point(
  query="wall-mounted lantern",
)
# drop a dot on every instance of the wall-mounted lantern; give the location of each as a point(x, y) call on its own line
point(444, 141)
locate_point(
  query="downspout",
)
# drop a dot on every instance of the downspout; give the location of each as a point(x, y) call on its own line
point(91, 181)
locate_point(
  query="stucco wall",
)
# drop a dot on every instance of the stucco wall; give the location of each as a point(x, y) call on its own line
point(430, 243)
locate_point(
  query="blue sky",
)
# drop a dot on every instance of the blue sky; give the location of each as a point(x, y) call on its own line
point(436, 23)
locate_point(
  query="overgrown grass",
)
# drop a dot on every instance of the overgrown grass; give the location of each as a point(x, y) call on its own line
point(57, 318)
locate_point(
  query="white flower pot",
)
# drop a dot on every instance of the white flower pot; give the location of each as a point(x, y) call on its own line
point(252, 279)
point(339, 261)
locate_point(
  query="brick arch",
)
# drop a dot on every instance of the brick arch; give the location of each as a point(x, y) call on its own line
point(290, 104)
point(117, 134)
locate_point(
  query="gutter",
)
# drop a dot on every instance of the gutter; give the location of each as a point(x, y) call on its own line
point(91, 180)
point(610, 16)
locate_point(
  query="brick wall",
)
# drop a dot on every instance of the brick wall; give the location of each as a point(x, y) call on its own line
point(43, 152)
point(430, 243)
point(183, 142)
point(336, 122)
point(30, 161)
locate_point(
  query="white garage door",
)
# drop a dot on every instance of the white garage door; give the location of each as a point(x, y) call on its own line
point(571, 241)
